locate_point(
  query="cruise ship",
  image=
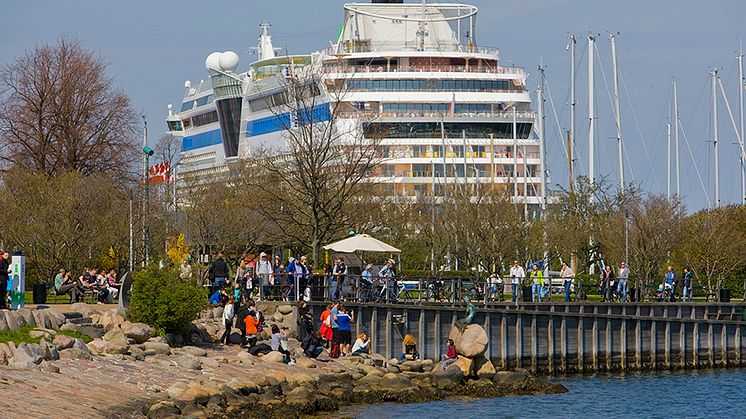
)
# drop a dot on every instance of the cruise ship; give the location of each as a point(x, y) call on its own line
point(442, 108)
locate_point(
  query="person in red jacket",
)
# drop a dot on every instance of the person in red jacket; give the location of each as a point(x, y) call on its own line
point(451, 356)
point(251, 323)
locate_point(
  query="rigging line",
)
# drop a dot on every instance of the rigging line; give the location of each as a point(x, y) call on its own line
point(556, 119)
point(639, 130)
point(611, 105)
point(696, 168)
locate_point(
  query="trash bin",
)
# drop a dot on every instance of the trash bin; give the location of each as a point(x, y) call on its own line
point(40, 293)
point(724, 295)
point(526, 294)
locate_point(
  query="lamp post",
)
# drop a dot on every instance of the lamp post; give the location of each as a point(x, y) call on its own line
point(132, 231)
point(147, 151)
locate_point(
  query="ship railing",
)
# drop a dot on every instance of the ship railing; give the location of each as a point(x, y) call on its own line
point(421, 69)
point(502, 115)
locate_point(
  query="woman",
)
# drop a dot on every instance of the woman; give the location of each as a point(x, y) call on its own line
point(241, 279)
point(276, 344)
point(344, 321)
point(362, 345)
point(305, 320)
point(451, 356)
point(410, 349)
point(687, 282)
point(228, 320)
point(311, 345)
point(537, 278)
point(608, 283)
point(566, 274)
point(251, 321)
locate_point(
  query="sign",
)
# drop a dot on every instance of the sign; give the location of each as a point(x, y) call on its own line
point(18, 281)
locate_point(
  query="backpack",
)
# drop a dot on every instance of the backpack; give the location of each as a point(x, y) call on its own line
point(260, 325)
point(334, 352)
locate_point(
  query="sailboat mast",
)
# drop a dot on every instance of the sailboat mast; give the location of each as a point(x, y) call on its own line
point(715, 134)
point(668, 161)
point(591, 115)
point(741, 86)
point(542, 146)
point(617, 112)
point(676, 139)
point(571, 135)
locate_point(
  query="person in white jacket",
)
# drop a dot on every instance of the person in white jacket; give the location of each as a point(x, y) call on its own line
point(517, 274)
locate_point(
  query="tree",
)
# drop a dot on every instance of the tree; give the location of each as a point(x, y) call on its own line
point(59, 112)
point(321, 167)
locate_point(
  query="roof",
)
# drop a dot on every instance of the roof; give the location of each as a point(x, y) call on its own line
point(361, 243)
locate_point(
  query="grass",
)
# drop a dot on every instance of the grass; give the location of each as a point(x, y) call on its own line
point(75, 335)
point(18, 336)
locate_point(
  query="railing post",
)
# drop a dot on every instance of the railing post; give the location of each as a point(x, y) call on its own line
point(296, 282)
point(419, 291)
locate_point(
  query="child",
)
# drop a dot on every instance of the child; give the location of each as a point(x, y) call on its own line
point(228, 320)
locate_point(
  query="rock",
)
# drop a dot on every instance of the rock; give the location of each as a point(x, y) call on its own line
point(97, 346)
point(174, 339)
point(111, 319)
point(235, 338)
point(243, 386)
point(217, 313)
point(427, 364)
point(163, 409)
point(10, 320)
point(117, 349)
point(46, 353)
point(285, 309)
point(48, 367)
point(484, 368)
point(274, 356)
point(305, 362)
point(472, 342)
point(153, 389)
point(194, 351)
point(40, 334)
point(5, 352)
point(140, 332)
point(76, 353)
point(63, 342)
point(466, 365)
point(57, 318)
point(448, 378)
point(26, 355)
point(200, 395)
point(393, 368)
point(20, 320)
point(158, 347)
point(85, 309)
point(90, 330)
point(511, 377)
point(188, 362)
point(28, 316)
point(116, 336)
point(3, 323)
point(277, 317)
point(175, 390)
point(159, 339)
point(95, 318)
point(413, 366)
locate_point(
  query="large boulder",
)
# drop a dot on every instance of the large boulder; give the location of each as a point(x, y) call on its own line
point(10, 319)
point(159, 347)
point(26, 356)
point(187, 362)
point(274, 356)
point(285, 309)
point(466, 365)
point(3, 323)
point(516, 377)
point(85, 309)
point(471, 342)
point(55, 316)
point(28, 316)
point(448, 378)
point(483, 368)
point(63, 342)
point(116, 336)
point(140, 332)
point(111, 319)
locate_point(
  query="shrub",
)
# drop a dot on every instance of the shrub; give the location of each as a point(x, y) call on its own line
point(163, 300)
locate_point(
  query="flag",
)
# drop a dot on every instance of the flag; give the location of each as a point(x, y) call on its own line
point(159, 173)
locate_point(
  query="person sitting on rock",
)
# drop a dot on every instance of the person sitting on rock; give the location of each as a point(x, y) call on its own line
point(362, 345)
point(312, 345)
point(451, 356)
point(277, 339)
point(410, 349)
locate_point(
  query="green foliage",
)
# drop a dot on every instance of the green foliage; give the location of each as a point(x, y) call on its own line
point(163, 300)
point(18, 336)
point(75, 335)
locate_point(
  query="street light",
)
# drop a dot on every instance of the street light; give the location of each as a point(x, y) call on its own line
point(147, 152)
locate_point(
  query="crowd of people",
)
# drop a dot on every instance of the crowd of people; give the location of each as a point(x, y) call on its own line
point(104, 285)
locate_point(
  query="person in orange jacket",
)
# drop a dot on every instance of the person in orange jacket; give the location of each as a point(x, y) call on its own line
point(251, 322)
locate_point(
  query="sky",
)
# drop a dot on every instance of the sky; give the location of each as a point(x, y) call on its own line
point(152, 47)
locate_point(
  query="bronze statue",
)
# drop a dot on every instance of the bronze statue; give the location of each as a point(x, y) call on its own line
point(471, 311)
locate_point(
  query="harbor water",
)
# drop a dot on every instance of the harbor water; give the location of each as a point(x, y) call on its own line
point(691, 394)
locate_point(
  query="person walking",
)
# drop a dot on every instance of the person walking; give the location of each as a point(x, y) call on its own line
point(567, 275)
point(623, 281)
point(4, 271)
point(228, 320)
point(686, 279)
point(517, 274)
point(537, 278)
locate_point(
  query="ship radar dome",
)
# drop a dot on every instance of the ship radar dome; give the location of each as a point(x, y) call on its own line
point(213, 61)
point(229, 61)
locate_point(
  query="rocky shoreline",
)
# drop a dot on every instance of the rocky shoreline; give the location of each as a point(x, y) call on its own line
point(127, 372)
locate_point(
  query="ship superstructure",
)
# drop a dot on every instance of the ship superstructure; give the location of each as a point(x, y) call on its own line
point(442, 108)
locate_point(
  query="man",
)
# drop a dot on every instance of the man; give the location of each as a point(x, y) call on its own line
point(301, 271)
point(686, 279)
point(63, 284)
point(263, 272)
point(218, 272)
point(538, 283)
point(567, 274)
point(4, 271)
point(671, 280)
point(387, 274)
point(516, 278)
point(338, 273)
point(623, 276)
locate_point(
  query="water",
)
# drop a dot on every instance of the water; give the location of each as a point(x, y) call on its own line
point(708, 393)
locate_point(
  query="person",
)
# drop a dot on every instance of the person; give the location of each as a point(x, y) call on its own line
point(241, 276)
point(339, 272)
point(4, 271)
point(450, 356)
point(228, 320)
point(517, 274)
point(302, 269)
point(622, 281)
point(410, 349)
point(101, 286)
point(218, 272)
point(237, 292)
point(252, 324)
point(362, 344)
point(242, 311)
point(538, 283)
point(185, 270)
point(566, 274)
point(63, 284)
point(607, 283)
point(305, 320)
point(495, 281)
point(329, 282)
point(336, 336)
point(344, 320)
point(264, 274)
point(686, 279)
point(277, 339)
point(387, 275)
point(326, 326)
point(366, 283)
point(281, 280)
point(671, 280)
point(311, 345)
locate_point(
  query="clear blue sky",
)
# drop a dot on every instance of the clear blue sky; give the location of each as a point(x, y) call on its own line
point(154, 46)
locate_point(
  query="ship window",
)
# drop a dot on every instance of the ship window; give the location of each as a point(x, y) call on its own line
point(205, 118)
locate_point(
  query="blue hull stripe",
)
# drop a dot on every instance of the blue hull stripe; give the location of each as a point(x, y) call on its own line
point(274, 123)
point(202, 140)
